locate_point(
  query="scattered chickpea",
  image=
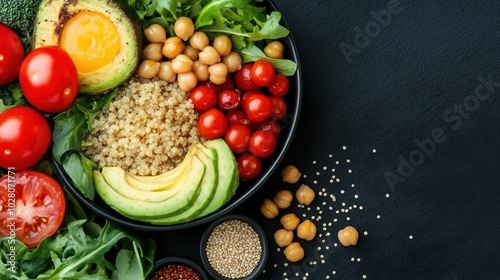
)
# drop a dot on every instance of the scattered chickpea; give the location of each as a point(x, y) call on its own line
point(305, 195)
point(290, 221)
point(182, 64)
point(274, 49)
point(153, 51)
point(173, 47)
point(191, 52)
point(166, 73)
point(283, 237)
point(155, 33)
point(218, 73)
point(290, 174)
point(306, 230)
point(184, 28)
point(148, 68)
point(269, 209)
point(187, 81)
point(232, 61)
point(223, 45)
point(209, 56)
point(201, 71)
point(294, 252)
point(199, 40)
point(348, 236)
point(283, 199)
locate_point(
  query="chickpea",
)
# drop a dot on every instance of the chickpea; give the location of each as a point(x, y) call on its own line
point(191, 52)
point(199, 40)
point(305, 195)
point(348, 236)
point(223, 45)
point(155, 33)
point(290, 221)
point(173, 47)
point(184, 28)
point(201, 71)
point(232, 61)
point(209, 56)
point(166, 73)
point(306, 230)
point(283, 237)
point(153, 51)
point(218, 73)
point(290, 174)
point(148, 68)
point(294, 252)
point(283, 199)
point(187, 81)
point(269, 209)
point(182, 64)
point(274, 49)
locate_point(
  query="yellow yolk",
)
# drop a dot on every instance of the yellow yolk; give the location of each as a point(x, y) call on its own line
point(91, 40)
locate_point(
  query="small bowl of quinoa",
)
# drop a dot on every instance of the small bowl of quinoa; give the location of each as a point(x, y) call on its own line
point(234, 247)
point(176, 268)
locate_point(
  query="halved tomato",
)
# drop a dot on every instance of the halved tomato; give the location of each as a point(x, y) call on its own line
point(32, 206)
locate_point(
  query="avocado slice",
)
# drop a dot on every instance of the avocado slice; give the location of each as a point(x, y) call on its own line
point(188, 191)
point(207, 189)
point(106, 54)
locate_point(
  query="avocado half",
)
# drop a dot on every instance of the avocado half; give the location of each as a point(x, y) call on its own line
point(104, 58)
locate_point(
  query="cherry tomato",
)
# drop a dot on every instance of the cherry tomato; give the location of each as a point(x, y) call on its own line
point(262, 73)
point(270, 126)
point(237, 137)
point(257, 106)
point(228, 99)
point(49, 79)
point(262, 143)
point(249, 166)
point(11, 54)
point(228, 84)
point(212, 124)
point(33, 206)
point(280, 85)
point(279, 107)
point(203, 98)
point(243, 79)
point(237, 116)
point(25, 137)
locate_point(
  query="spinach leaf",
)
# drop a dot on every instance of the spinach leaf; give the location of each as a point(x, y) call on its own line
point(283, 66)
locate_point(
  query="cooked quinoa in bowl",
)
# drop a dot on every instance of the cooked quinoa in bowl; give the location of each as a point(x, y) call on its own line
point(147, 129)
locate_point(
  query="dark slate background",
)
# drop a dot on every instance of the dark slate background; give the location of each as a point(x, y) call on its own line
point(431, 75)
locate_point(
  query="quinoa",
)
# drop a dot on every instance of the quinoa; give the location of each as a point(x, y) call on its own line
point(147, 129)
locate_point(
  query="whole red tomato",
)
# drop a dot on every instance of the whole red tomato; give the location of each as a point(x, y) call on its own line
point(257, 106)
point(279, 107)
point(203, 98)
point(279, 86)
point(212, 124)
point(249, 166)
point(228, 99)
point(243, 78)
point(262, 143)
point(49, 79)
point(270, 126)
point(262, 73)
point(237, 137)
point(24, 137)
point(11, 54)
point(236, 116)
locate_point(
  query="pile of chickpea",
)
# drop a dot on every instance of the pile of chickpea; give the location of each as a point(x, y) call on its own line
point(306, 229)
point(190, 57)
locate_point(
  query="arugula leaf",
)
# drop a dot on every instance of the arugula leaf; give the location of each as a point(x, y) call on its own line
point(283, 66)
point(11, 96)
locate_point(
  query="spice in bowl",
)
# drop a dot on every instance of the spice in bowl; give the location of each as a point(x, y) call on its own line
point(175, 268)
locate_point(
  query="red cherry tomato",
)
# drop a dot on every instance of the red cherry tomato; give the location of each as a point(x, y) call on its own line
point(237, 137)
point(262, 143)
point(49, 79)
point(237, 116)
point(228, 99)
point(212, 124)
point(203, 98)
point(270, 126)
point(280, 85)
point(262, 73)
point(11, 54)
point(279, 107)
point(249, 166)
point(25, 137)
point(243, 78)
point(38, 206)
point(257, 106)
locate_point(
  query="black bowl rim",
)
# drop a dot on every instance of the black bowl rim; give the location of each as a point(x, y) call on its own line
point(178, 260)
point(258, 229)
point(233, 203)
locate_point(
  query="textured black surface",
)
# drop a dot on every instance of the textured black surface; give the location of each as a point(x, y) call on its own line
point(431, 75)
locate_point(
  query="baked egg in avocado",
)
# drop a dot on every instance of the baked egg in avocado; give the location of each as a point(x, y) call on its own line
point(103, 39)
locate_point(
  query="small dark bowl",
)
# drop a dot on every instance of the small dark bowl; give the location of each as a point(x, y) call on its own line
point(177, 260)
point(245, 189)
point(263, 240)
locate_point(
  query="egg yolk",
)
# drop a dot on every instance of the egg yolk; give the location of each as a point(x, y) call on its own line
point(91, 40)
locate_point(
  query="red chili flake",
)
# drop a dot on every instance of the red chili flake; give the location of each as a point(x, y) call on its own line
point(176, 272)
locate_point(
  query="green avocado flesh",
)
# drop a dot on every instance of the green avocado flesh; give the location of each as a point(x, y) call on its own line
point(201, 184)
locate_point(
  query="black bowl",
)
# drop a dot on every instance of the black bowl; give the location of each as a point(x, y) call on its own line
point(246, 189)
point(177, 260)
point(263, 240)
